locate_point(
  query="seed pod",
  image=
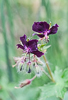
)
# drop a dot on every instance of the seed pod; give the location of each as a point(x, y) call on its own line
point(20, 66)
point(29, 71)
point(38, 71)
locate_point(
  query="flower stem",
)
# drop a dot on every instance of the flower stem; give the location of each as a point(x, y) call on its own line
point(46, 73)
point(48, 68)
point(3, 20)
point(33, 78)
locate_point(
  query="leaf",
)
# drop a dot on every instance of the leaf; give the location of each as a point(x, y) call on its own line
point(65, 77)
point(65, 74)
point(46, 47)
point(53, 98)
point(54, 89)
point(27, 93)
point(43, 47)
point(66, 96)
point(47, 91)
point(57, 74)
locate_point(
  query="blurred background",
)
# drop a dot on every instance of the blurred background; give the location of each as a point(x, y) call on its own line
point(16, 19)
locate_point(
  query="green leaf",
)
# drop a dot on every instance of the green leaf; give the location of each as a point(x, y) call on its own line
point(66, 96)
point(65, 77)
point(47, 91)
point(53, 98)
point(57, 75)
point(27, 93)
point(54, 89)
point(43, 47)
point(46, 47)
point(65, 74)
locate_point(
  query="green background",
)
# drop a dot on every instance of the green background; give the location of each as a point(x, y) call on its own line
point(16, 19)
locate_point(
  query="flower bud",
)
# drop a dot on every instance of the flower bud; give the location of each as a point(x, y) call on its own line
point(24, 83)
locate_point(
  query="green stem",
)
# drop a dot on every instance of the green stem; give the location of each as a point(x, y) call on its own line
point(46, 74)
point(60, 98)
point(6, 41)
point(10, 22)
point(48, 68)
point(33, 78)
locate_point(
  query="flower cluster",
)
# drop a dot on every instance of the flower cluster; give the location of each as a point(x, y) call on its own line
point(30, 60)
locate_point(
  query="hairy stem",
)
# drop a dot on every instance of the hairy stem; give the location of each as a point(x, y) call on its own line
point(33, 78)
point(48, 68)
point(46, 73)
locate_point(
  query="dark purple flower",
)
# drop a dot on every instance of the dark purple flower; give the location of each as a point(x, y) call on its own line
point(29, 46)
point(43, 28)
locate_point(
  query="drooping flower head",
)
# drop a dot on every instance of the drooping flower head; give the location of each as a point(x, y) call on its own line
point(29, 46)
point(44, 29)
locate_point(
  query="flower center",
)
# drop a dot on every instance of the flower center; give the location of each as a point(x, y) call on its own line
point(45, 33)
point(27, 49)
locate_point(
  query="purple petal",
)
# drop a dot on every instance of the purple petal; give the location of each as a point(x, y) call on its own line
point(39, 35)
point(53, 29)
point(40, 27)
point(20, 46)
point(32, 44)
point(23, 39)
point(38, 53)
